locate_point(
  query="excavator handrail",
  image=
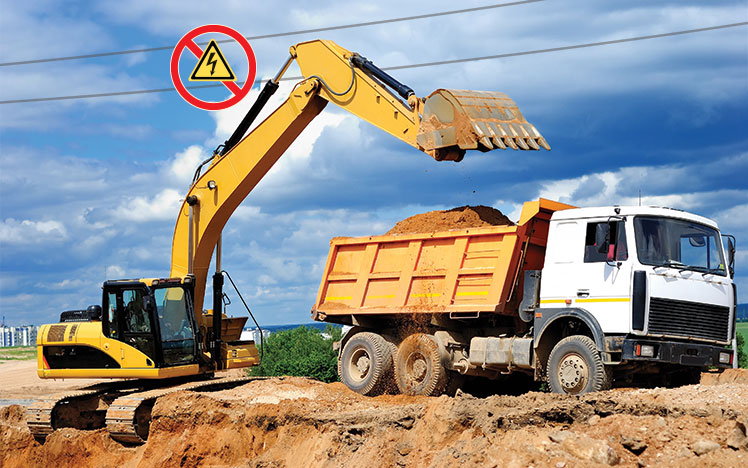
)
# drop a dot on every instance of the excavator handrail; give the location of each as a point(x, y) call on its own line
point(259, 328)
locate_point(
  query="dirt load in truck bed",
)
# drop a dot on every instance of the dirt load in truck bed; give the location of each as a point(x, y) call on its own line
point(462, 217)
point(296, 422)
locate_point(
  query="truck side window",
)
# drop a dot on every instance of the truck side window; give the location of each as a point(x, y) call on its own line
point(617, 250)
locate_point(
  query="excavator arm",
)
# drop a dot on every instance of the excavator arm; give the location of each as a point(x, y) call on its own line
point(443, 125)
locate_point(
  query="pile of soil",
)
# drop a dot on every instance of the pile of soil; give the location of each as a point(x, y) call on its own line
point(462, 217)
point(296, 422)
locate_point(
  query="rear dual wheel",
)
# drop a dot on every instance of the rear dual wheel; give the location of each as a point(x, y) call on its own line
point(419, 369)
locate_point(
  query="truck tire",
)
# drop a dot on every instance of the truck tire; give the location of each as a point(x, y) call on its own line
point(418, 366)
point(575, 367)
point(365, 365)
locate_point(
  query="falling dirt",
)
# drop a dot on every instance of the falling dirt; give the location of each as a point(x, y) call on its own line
point(296, 422)
point(462, 217)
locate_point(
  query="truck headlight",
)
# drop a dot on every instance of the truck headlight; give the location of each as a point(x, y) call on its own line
point(725, 358)
point(645, 350)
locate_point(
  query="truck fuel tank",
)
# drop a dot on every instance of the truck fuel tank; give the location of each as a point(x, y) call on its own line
point(490, 352)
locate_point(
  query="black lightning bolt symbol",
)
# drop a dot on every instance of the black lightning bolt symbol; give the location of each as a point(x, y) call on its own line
point(212, 61)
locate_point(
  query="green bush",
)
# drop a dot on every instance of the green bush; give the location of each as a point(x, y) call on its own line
point(301, 352)
point(742, 357)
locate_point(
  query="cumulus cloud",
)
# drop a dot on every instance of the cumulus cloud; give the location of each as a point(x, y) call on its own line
point(14, 232)
point(182, 167)
point(160, 207)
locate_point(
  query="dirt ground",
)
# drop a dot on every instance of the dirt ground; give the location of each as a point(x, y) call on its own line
point(18, 380)
point(296, 422)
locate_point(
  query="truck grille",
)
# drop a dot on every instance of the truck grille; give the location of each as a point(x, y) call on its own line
point(688, 319)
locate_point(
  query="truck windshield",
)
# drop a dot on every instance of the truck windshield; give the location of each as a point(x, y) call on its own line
point(679, 244)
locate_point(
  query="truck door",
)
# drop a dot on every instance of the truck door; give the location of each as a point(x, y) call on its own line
point(603, 278)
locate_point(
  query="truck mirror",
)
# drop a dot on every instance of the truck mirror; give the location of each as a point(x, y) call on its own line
point(602, 237)
point(730, 254)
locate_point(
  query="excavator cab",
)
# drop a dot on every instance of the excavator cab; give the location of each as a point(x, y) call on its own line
point(157, 320)
point(145, 329)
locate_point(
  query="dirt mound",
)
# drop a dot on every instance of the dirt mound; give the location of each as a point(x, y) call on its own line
point(462, 217)
point(727, 376)
point(295, 422)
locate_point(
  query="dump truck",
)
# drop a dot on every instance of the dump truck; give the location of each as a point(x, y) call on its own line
point(576, 297)
point(153, 333)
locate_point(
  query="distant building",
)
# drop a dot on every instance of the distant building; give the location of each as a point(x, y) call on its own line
point(254, 334)
point(24, 335)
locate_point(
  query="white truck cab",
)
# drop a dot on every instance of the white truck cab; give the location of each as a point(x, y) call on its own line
point(654, 284)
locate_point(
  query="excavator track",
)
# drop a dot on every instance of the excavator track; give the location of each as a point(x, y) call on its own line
point(128, 418)
point(82, 409)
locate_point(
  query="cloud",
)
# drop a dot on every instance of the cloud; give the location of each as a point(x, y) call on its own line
point(14, 232)
point(160, 207)
point(182, 167)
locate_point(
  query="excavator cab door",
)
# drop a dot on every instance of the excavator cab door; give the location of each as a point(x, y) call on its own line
point(173, 305)
point(130, 318)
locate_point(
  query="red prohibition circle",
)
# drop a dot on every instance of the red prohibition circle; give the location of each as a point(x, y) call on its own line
point(187, 42)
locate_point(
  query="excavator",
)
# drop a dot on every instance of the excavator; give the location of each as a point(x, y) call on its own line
point(151, 335)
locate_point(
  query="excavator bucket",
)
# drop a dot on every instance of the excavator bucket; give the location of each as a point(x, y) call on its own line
point(456, 120)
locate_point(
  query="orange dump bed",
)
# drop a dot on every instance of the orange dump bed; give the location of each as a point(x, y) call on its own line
point(466, 271)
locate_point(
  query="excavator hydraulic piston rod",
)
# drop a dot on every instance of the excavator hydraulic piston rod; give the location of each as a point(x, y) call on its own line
point(367, 65)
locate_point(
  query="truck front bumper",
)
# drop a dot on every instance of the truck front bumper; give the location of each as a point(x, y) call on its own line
point(676, 352)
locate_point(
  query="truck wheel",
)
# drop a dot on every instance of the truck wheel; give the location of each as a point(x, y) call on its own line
point(418, 366)
point(365, 364)
point(575, 367)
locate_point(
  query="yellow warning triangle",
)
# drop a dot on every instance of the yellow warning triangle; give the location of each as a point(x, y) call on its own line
point(212, 66)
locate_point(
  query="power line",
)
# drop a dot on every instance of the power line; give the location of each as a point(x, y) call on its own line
point(402, 67)
point(282, 34)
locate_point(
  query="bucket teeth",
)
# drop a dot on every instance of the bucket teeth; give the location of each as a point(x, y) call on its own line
point(459, 120)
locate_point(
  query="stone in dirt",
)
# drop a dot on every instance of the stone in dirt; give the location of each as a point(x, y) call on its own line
point(737, 439)
point(560, 436)
point(633, 444)
point(587, 448)
point(701, 447)
point(462, 217)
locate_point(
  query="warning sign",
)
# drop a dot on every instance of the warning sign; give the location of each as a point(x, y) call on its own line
point(212, 66)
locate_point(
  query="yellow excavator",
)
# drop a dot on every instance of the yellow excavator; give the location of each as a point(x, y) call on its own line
point(152, 333)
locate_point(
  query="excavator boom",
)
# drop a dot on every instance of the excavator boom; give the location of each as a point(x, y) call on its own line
point(444, 125)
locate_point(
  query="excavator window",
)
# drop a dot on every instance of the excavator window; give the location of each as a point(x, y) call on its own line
point(128, 320)
point(136, 319)
point(113, 328)
point(177, 337)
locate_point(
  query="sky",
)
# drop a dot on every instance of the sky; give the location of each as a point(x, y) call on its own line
point(90, 188)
